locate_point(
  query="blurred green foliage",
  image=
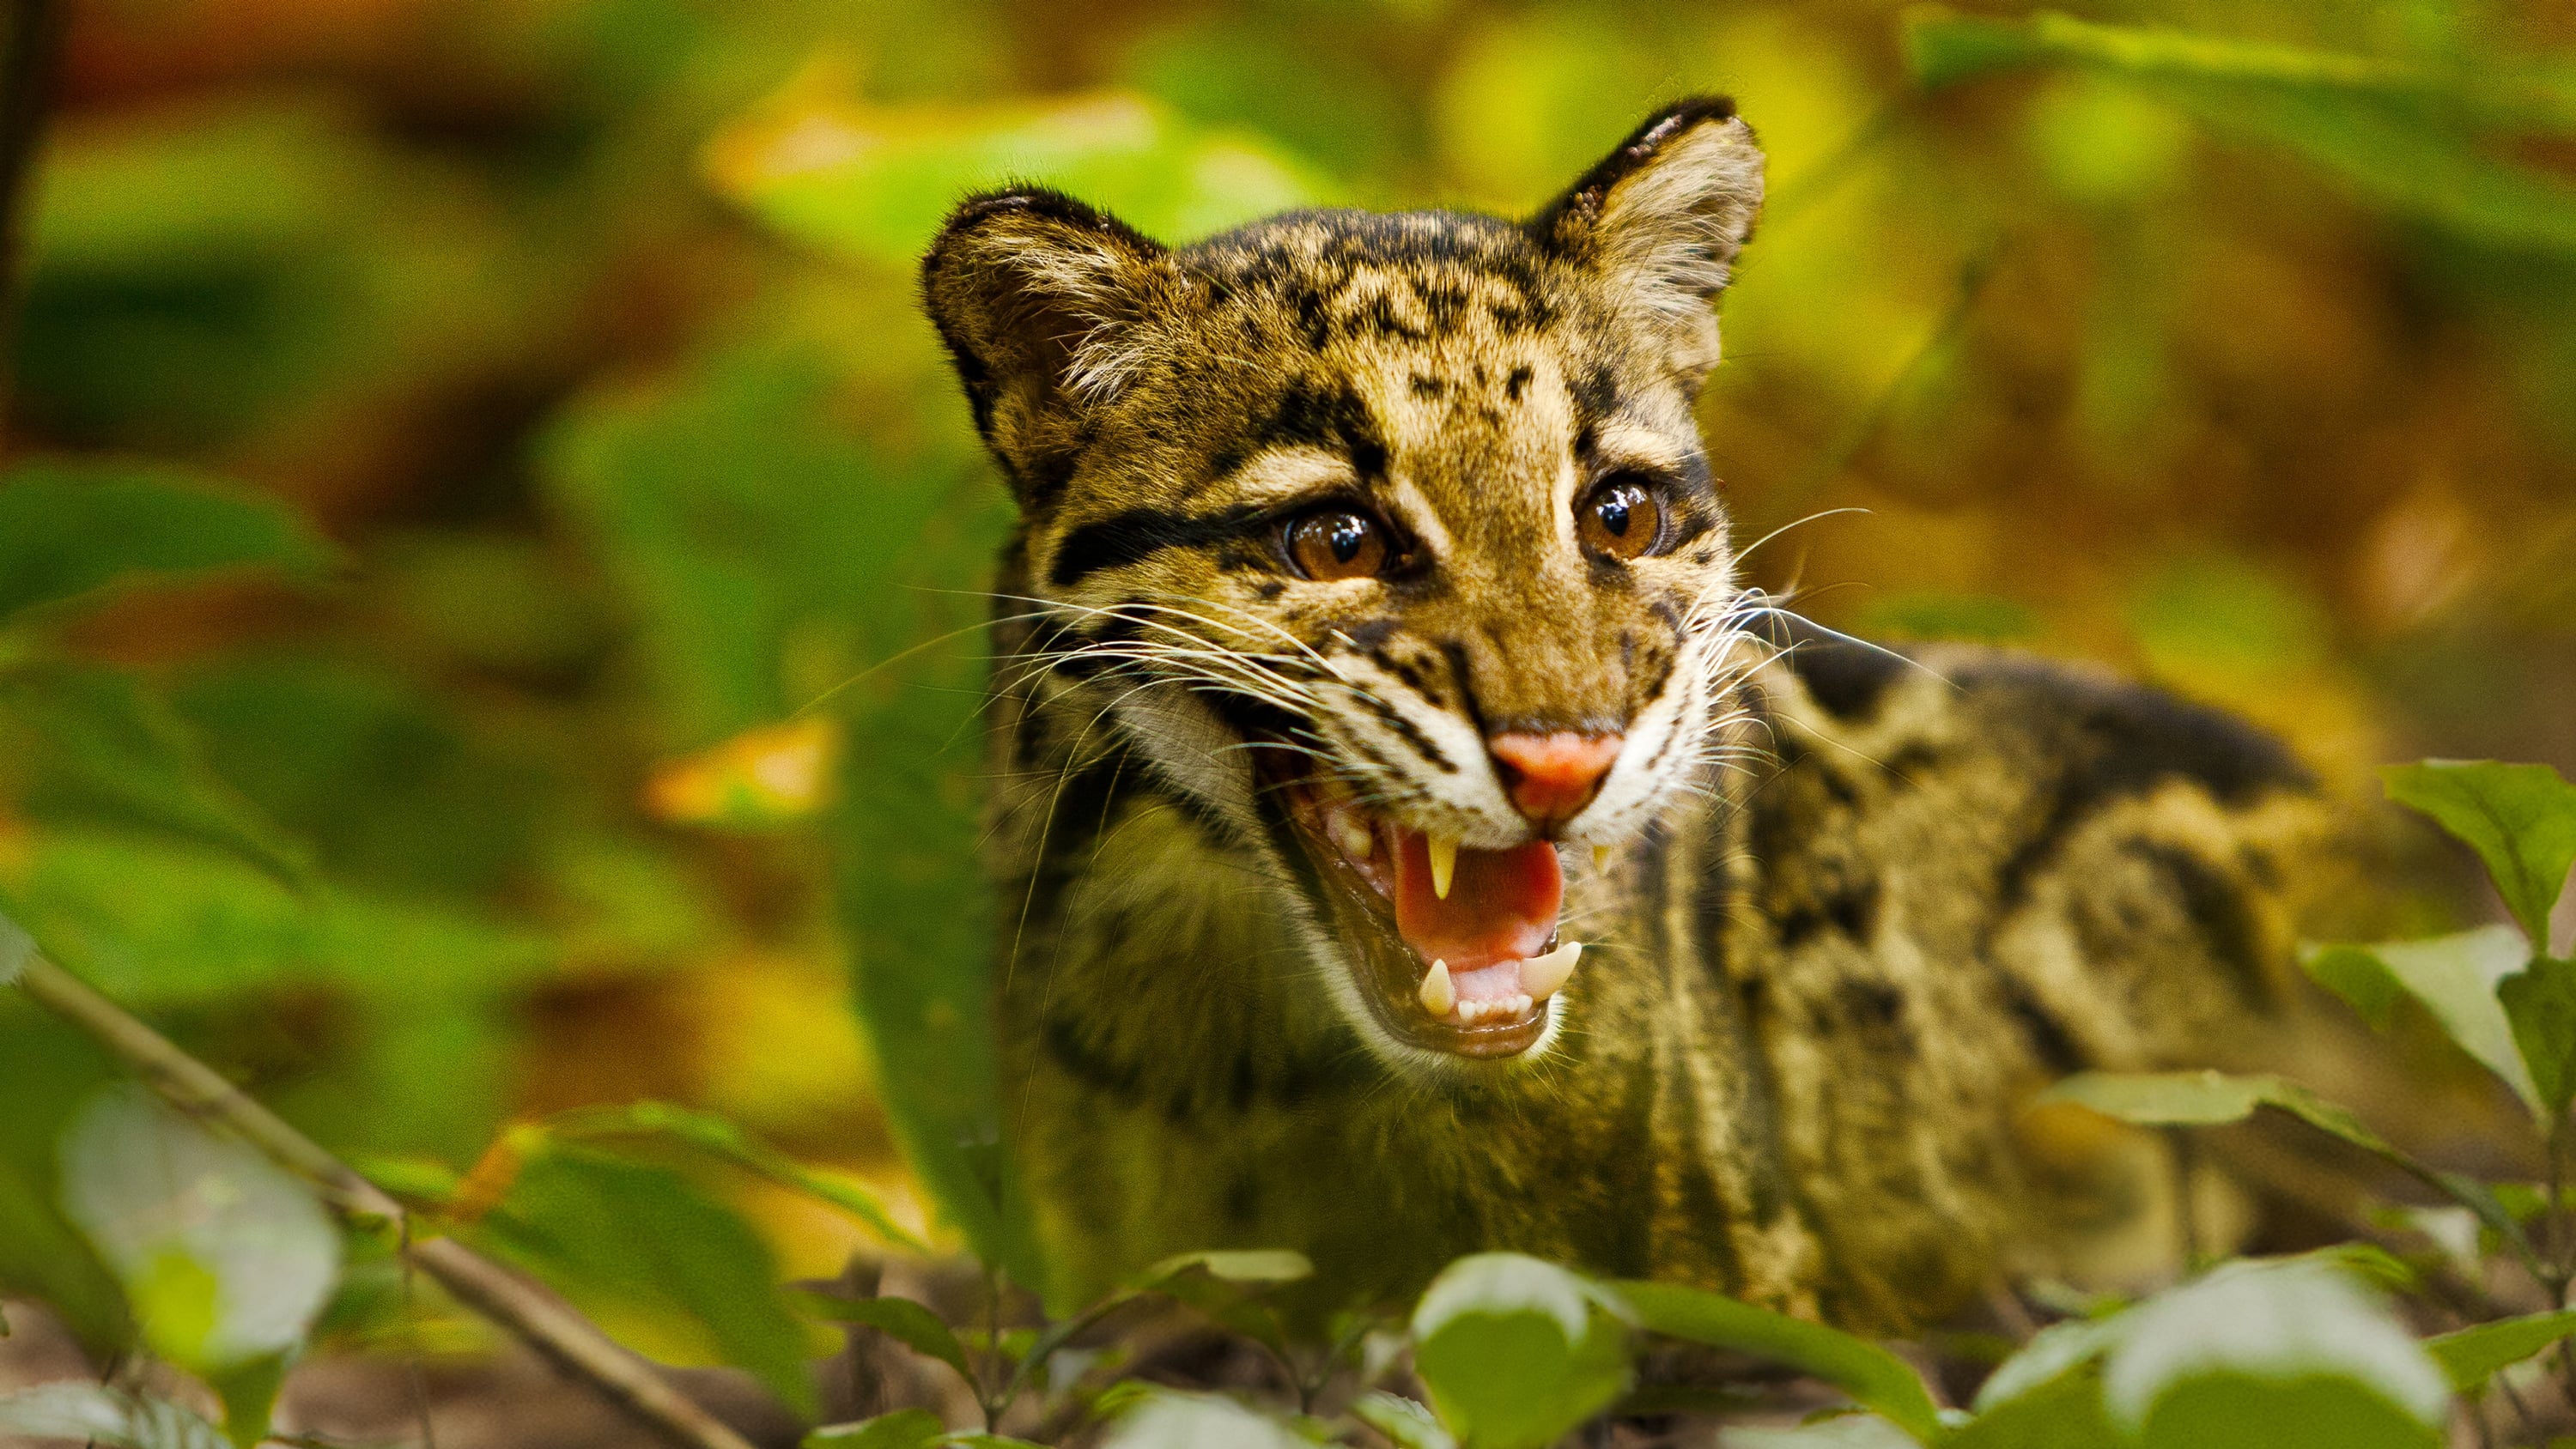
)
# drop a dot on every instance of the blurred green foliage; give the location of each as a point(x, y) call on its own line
point(489, 580)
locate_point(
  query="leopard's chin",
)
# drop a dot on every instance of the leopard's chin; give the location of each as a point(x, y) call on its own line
point(1453, 950)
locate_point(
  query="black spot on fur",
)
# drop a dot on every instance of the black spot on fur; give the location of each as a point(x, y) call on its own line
point(1873, 1004)
point(1428, 387)
point(1852, 911)
point(1409, 670)
point(1331, 417)
point(1096, 1069)
point(1411, 734)
point(2051, 1041)
point(1855, 912)
point(1383, 321)
point(2218, 910)
point(1595, 390)
point(1370, 633)
point(1445, 302)
point(1517, 383)
point(1041, 484)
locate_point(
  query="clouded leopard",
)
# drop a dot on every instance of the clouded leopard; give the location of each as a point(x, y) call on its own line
point(1414, 838)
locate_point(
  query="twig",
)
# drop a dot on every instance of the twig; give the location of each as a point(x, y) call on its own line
point(566, 1339)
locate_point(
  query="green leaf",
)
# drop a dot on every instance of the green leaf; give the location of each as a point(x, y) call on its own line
point(152, 920)
point(2061, 1412)
point(745, 532)
point(2411, 141)
point(879, 187)
point(1875, 1378)
point(2471, 1356)
point(2541, 1002)
point(109, 1418)
point(225, 1258)
point(390, 779)
point(2211, 1098)
point(1225, 1285)
point(249, 1394)
point(2521, 820)
point(96, 747)
point(2049, 1355)
point(2288, 1355)
point(67, 528)
point(907, 1322)
point(2206, 1098)
point(722, 1140)
point(902, 1429)
point(1406, 1423)
point(1236, 1265)
point(1218, 1283)
point(1944, 49)
point(2453, 976)
point(2384, 1270)
point(662, 1265)
point(1167, 1420)
point(1517, 1351)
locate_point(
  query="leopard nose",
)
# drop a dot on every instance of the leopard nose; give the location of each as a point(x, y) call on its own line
point(1551, 777)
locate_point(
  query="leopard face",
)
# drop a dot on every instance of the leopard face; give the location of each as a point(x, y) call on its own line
point(1386, 542)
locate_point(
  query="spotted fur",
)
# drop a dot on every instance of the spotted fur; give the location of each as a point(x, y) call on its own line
point(1857, 907)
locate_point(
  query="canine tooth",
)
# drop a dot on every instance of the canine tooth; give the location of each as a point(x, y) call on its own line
point(1437, 994)
point(1355, 839)
point(1600, 857)
point(1444, 862)
point(1544, 976)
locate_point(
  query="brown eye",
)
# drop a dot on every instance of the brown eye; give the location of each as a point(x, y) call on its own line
point(1621, 518)
point(1337, 543)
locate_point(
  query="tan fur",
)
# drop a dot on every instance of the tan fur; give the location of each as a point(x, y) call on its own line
point(1857, 907)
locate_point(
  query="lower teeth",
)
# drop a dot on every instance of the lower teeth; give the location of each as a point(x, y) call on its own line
point(1500, 1008)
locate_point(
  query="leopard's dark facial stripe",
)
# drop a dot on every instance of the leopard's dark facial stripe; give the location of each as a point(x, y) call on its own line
point(1138, 534)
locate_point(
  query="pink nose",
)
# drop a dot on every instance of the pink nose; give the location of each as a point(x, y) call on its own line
point(1552, 777)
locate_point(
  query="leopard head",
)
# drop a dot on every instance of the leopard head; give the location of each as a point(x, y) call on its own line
point(1385, 541)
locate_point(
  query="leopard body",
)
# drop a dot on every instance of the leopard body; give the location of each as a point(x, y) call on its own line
point(1844, 910)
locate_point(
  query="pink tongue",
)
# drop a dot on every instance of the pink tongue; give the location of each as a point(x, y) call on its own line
point(1502, 904)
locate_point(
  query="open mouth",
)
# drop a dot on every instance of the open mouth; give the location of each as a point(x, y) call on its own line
point(1466, 952)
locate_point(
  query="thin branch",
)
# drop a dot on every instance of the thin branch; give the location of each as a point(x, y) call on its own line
point(566, 1339)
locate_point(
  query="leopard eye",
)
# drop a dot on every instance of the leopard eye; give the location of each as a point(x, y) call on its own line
point(1337, 543)
point(1621, 518)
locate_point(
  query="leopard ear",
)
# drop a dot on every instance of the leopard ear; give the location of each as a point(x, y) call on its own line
point(1048, 308)
point(1661, 218)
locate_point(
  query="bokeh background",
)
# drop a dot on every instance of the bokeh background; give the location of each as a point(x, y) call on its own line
point(617, 739)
